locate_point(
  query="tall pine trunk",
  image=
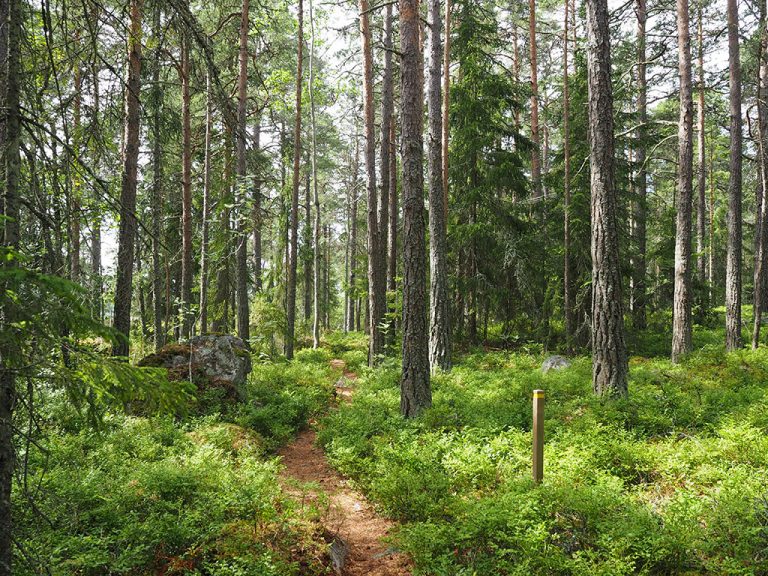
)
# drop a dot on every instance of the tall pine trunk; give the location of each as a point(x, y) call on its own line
point(681, 304)
point(376, 288)
point(535, 139)
point(352, 235)
point(392, 234)
point(205, 241)
point(387, 120)
point(316, 320)
point(127, 230)
point(761, 256)
point(637, 260)
point(609, 355)
point(446, 102)
point(439, 328)
point(734, 224)
point(294, 212)
point(97, 282)
point(186, 193)
point(10, 357)
point(415, 391)
point(241, 255)
point(257, 209)
point(158, 273)
point(568, 283)
point(701, 176)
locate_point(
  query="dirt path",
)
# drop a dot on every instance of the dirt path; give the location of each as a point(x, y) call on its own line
point(356, 528)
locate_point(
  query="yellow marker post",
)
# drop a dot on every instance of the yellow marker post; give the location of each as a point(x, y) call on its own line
point(538, 436)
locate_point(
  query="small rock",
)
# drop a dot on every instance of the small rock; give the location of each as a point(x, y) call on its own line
point(555, 363)
point(338, 552)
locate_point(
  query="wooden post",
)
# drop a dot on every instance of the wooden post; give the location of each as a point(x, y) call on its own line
point(538, 436)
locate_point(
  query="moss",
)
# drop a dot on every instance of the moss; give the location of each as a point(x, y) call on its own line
point(165, 355)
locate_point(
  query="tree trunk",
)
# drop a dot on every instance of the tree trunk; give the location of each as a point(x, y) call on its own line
point(761, 256)
point(257, 216)
point(157, 189)
point(326, 279)
point(76, 205)
point(376, 288)
point(535, 140)
point(568, 285)
point(127, 231)
point(392, 235)
point(415, 391)
point(439, 328)
point(351, 313)
point(316, 263)
point(734, 250)
point(638, 264)
point(186, 194)
point(294, 224)
point(701, 176)
point(241, 274)
point(446, 103)
point(609, 362)
point(387, 121)
point(10, 135)
point(204, 247)
point(307, 241)
point(97, 283)
point(681, 305)
point(221, 300)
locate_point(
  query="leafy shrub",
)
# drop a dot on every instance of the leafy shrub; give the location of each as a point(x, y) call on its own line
point(145, 497)
point(671, 480)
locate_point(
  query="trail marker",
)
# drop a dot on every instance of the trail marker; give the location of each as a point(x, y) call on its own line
point(538, 436)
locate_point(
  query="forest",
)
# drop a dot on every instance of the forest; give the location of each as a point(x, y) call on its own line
point(383, 287)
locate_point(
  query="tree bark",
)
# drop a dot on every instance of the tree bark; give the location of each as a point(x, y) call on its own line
point(761, 256)
point(77, 183)
point(392, 235)
point(307, 239)
point(257, 209)
point(609, 355)
point(205, 242)
point(681, 304)
point(127, 231)
point(439, 327)
point(535, 140)
point(638, 263)
point(351, 312)
point(701, 176)
point(316, 320)
point(10, 136)
point(157, 189)
point(186, 194)
point(376, 288)
point(387, 120)
point(415, 391)
point(294, 223)
point(223, 275)
point(568, 285)
point(97, 282)
point(241, 274)
point(446, 103)
point(734, 251)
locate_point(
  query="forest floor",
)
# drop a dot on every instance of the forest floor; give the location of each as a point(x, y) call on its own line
point(357, 532)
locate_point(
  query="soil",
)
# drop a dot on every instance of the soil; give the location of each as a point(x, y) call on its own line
point(357, 531)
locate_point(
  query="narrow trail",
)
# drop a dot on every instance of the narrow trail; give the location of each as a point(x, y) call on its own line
point(356, 529)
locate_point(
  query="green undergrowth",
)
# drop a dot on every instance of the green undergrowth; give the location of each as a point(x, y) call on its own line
point(673, 480)
point(169, 495)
